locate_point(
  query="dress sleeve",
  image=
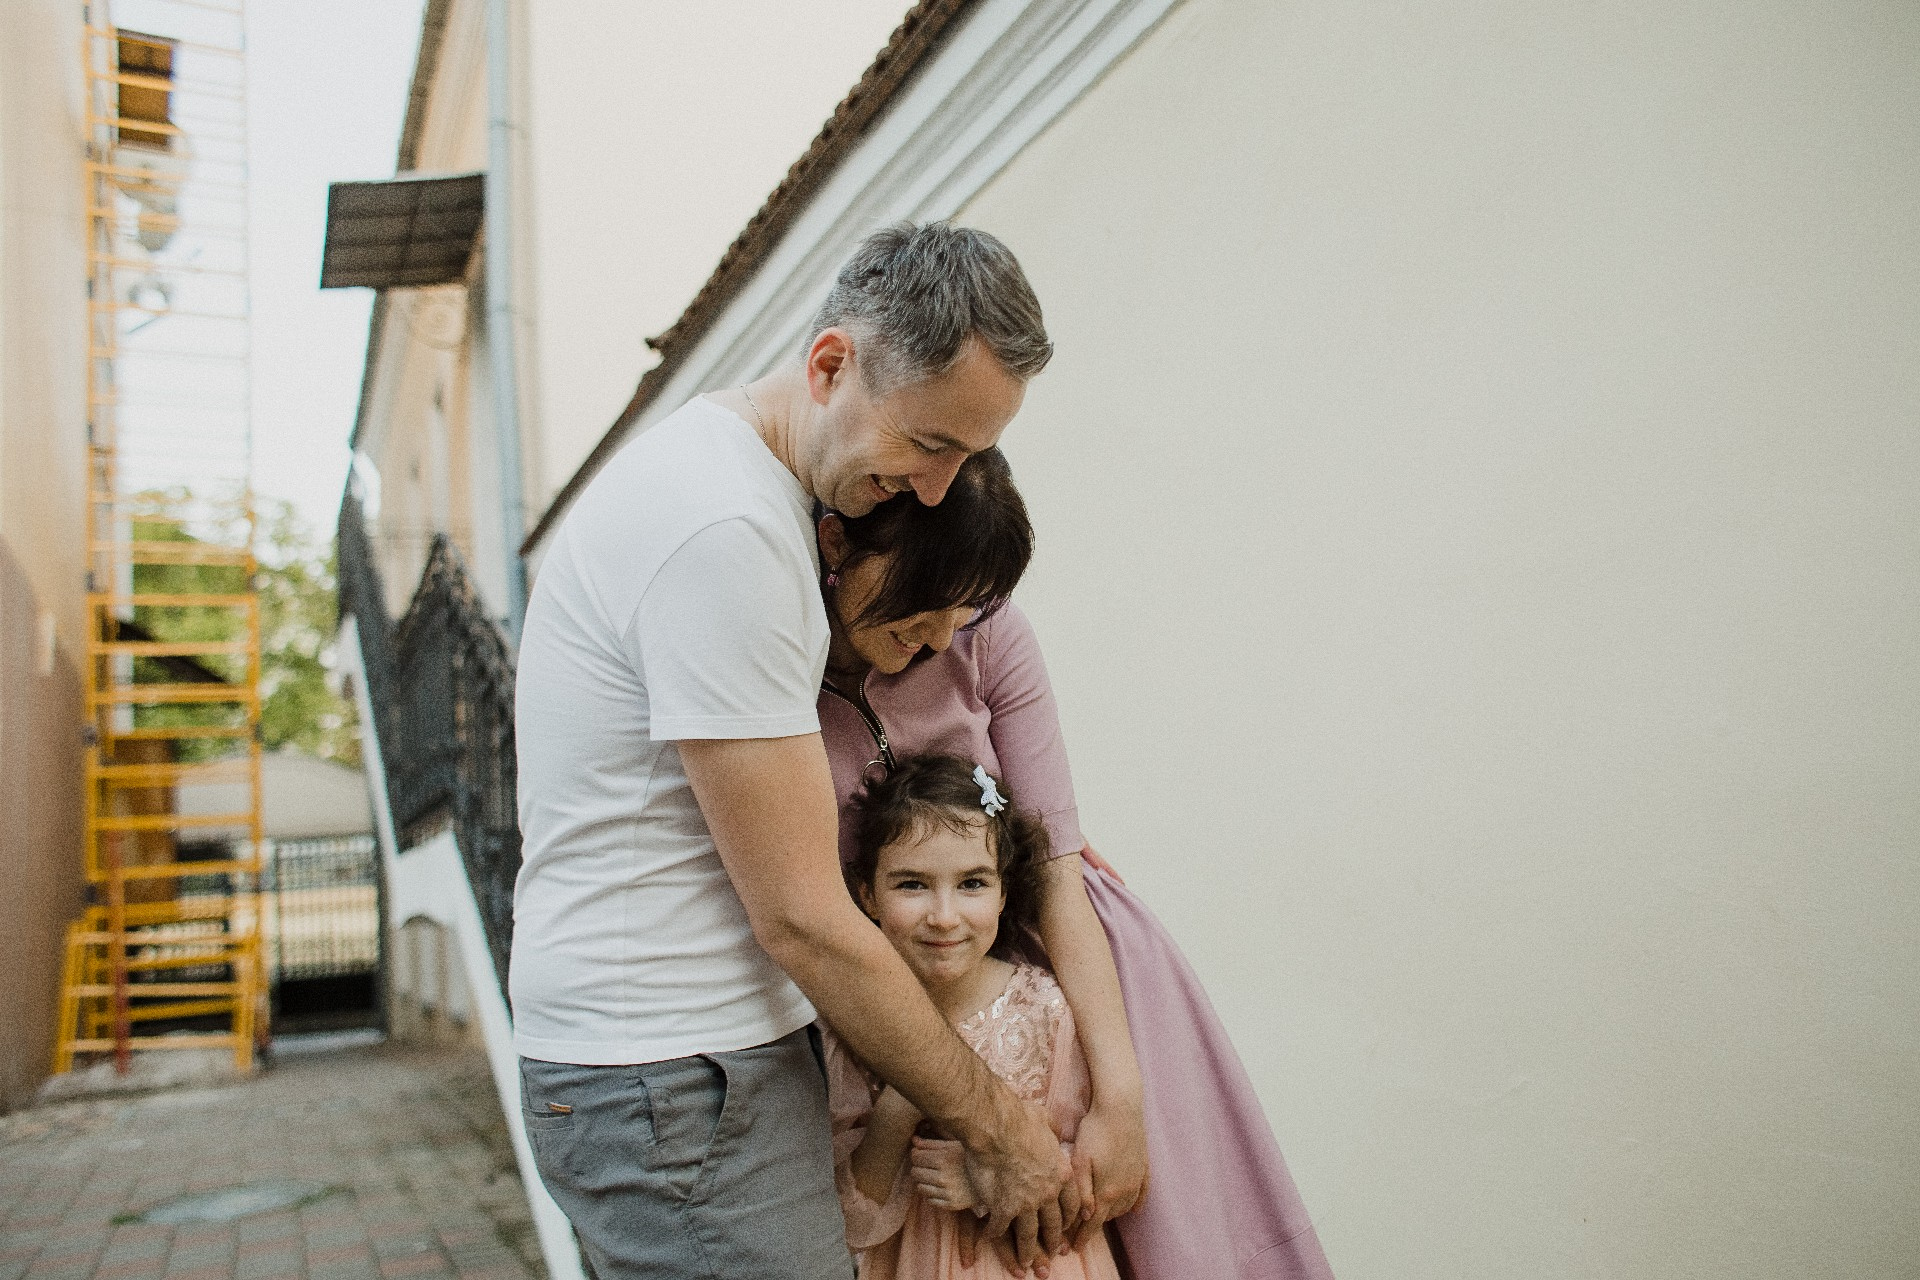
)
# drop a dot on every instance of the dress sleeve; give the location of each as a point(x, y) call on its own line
point(850, 1093)
point(1025, 728)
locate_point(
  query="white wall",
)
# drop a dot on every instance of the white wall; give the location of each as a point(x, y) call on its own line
point(1477, 558)
point(654, 131)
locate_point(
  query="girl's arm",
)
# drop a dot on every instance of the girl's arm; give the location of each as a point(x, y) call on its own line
point(1110, 1160)
point(874, 1209)
point(876, 1162)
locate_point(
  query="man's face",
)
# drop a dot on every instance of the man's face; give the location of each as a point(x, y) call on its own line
point(915, 437)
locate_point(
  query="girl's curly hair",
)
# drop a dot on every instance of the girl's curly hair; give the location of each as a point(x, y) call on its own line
point(929, 789)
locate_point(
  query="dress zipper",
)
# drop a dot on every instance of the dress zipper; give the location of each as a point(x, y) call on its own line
point(858, 701)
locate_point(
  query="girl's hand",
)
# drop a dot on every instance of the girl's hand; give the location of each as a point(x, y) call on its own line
point(1109, 1165)
point(940, 1173)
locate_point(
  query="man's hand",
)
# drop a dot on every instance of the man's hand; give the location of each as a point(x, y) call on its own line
point(1016, 1175)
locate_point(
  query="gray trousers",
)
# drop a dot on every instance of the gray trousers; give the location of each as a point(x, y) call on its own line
point(716, 1167)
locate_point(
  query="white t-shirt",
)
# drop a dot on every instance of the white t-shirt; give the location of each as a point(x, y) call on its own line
point(678, 599)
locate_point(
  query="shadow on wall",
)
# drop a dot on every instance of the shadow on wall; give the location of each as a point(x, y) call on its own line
point(40, 794)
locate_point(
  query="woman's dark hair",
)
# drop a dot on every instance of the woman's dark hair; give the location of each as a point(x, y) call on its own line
point(970, 550)
point(925, 790)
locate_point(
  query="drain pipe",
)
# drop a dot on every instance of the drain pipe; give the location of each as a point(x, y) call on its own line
point(501, 337)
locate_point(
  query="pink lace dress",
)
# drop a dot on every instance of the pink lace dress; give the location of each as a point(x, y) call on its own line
point(1026, 1037)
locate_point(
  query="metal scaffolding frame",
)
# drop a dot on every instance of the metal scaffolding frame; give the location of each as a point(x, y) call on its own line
point(168, 954)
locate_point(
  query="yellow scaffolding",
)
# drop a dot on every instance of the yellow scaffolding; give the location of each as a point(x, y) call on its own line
point(168, 955)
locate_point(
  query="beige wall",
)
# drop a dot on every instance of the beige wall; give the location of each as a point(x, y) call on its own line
point(42, 556)
point(654, 131)
point(651, 133)
point(421, 430)
point(1478, 554)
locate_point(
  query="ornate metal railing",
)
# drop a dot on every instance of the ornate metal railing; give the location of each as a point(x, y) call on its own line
point(441, 684)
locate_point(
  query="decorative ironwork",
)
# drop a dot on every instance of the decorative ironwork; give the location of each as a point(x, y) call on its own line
point(323, 894)
point(441, 684)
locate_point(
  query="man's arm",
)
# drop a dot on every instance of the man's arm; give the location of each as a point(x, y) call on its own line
point(769, 804)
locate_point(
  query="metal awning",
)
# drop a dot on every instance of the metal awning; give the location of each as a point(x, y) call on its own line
point(401, 233)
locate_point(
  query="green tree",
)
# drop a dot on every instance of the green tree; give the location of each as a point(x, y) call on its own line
point(301, 702)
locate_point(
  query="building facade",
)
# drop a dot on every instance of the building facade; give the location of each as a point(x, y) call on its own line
point(1475, 502)
point(43, 413)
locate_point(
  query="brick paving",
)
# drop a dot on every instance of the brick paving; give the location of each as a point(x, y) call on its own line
point(408, 1142)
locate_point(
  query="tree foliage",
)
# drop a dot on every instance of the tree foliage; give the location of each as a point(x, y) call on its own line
point(301, 701)
point(299, 622)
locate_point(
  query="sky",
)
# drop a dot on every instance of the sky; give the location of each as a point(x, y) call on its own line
point(327, 92)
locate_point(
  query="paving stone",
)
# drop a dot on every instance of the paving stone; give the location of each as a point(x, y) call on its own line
point(430, 1264)
point(408, 1146)
point(363, 1269)
point(137, 1269)
point(280, 1261)
point(217, 1271)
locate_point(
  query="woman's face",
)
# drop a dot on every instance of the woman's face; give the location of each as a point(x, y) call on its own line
point(886, 647)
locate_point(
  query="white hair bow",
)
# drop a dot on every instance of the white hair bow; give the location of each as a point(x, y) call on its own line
point(990, 798)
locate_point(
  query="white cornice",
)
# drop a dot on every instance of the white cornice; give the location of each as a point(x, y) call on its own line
point(1009, 71)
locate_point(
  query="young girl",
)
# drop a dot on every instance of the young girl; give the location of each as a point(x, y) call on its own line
point(951, 872)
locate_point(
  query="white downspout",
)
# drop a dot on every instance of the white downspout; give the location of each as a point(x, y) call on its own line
point(501, 337)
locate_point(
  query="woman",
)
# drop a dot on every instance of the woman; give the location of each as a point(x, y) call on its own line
point(928, 658)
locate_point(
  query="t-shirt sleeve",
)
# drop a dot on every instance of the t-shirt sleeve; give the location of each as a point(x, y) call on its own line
point(724, 639)
point(1025, 728)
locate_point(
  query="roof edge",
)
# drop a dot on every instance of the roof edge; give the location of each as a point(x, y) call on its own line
point(426, 65)
point(916, 38)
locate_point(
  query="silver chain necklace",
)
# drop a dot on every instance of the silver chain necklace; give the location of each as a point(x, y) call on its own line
point(756, 408)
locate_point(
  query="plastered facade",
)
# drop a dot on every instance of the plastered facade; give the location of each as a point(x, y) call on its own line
point(1475, 496)
point(43, 275)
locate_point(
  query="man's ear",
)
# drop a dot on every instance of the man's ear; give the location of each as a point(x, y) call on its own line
point(833, 541)
point(829, 362)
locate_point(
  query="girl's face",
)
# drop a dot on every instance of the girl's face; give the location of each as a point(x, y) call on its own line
point(886, 647)
point(937, 898)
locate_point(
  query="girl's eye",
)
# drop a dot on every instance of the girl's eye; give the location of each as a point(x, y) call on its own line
point(975, 882)
point(908, 884)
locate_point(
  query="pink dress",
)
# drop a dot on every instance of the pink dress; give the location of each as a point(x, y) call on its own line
point(1026, 1037)
point(1220, 1202)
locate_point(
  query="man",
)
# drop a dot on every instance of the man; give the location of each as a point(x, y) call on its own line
point(680, 913)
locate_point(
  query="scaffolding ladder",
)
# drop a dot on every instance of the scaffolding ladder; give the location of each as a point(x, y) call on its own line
point(168, 954)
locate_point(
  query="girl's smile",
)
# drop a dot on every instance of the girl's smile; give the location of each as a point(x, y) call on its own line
point(938, 898)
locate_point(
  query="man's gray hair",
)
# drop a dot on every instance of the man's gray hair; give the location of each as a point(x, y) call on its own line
point(912, 295)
